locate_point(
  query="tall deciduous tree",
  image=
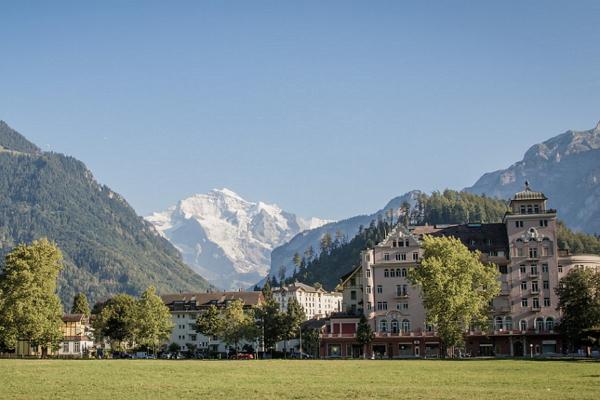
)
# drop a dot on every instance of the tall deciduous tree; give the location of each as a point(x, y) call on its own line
point(291, 320)
point(579, 301)
point(364, 334)
point(210, 323)
point(80, 305)
point(29, 306)
point(456, 287)
point(153, 320)
point(117, 321)
point(239, 324)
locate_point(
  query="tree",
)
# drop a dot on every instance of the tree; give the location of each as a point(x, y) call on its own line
point(291, 320)
point(281, 275)
point(269, 318)
point(80, 305)
point(238, 325)
point(456, 287)
point(310, 341)
point(326, 243)
point(364, 334)
point(153, 320)
point(579, 302)
point(210, 323)
point(297, 260)
point(29, 306)
point(174, 348)
point(117, 321)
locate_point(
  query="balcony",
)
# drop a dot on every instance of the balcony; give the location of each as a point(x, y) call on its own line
point(535, 291)
point(401, 295)
point(534, 275)
point(536, 308)
point(503, 309)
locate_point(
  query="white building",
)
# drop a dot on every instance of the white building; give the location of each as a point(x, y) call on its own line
point(316, 302)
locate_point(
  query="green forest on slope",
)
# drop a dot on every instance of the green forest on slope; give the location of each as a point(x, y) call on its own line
point(338, 257)
point(107, 247)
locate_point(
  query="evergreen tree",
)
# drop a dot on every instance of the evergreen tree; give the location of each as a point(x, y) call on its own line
point(29, 306)
point(269, 317)
point(297, 260)
point(326, 243)
point(80, 305)
point(456, 287)
point(364, 334)
point(291, 320)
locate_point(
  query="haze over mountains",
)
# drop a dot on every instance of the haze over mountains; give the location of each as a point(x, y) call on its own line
point(566, 168)
point(107, 247)
point(226, 238)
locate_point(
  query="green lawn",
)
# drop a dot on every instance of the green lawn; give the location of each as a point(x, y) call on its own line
point(151, 379)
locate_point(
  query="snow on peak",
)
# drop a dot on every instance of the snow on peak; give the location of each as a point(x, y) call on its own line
point(227, 238)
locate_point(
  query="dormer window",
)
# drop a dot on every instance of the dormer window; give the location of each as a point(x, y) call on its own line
point(529, 209)
point(523, 209)
point(536, 209)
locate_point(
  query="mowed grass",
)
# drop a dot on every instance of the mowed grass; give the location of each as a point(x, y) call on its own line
point(280, 379)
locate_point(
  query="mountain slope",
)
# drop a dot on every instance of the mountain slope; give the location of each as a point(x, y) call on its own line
point(228, 239)
point(107, 247)
point(566, 168)
point(283, 255)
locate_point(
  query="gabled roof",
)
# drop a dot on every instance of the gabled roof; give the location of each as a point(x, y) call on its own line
point(73, 317)
point(216, 298)
point(347, 276)
point(399, 231)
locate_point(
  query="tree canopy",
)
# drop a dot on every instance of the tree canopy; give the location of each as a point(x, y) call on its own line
point(29, 306)
point(80, 305)
point(456, 287)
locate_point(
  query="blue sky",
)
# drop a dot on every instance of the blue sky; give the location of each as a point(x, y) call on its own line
point(328, 108)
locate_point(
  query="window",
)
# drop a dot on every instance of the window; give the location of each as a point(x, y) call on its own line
point(549, 324)
point(193, 338)
point(386, 257)
point(394, 243)
point(533, 252)
point(401, 290)
point(503, 269)
point(523, 325)
point(508, 323)
point(536, 209)
point(545, 268)
point(394, 326)
point(543, 223)
point(369, 305)
point(522, 269)
point(523, 285)
point(399, 273)
point(392, 273)
point(536, 302)
point(518, 224)
point(381, 305)
point(403, 257)
point(352, 282)
point(498, 325)
point(66, 347)
point(353, 295)
point(398, 257)
point(546, 285)
point(428, 328)
point(524, 302)
point(519, 252)
point(406, 243)
point(383, 325)
point(404, 271)
point(560, 268)
point(401, 243)
point(539, 324)
point(546, 301)
point(386, 273)
point(523, 208)
point(415, 256)
point(535, 287)
point(529, 209)
point(368, 289)
point(379, 289)
point(405, 326)
point(368, 273)
point(534, 270)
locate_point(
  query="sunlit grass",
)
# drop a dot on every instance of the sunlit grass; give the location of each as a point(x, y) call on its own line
point(157, 379)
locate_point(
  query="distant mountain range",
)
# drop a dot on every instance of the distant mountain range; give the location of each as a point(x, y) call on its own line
point(226, 238)
point(107, 247)
point(566, 168)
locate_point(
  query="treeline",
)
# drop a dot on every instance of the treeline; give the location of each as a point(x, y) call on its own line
point(577, 242)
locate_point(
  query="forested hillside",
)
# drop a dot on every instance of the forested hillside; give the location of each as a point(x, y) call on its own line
point(338, 257)
point(107, 247)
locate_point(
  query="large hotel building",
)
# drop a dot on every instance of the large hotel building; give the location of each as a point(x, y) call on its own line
point(523, 247)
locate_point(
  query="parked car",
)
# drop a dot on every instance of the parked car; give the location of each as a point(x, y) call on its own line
point(242, 356)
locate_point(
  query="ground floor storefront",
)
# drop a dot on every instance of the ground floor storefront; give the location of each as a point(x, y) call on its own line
point(390, 347)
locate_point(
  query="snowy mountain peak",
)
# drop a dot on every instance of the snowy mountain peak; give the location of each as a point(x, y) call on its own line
point(227, 238)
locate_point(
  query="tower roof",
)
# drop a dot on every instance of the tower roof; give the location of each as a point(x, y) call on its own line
point(529, 194)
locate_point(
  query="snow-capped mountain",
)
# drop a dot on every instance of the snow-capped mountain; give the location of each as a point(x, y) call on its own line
point(227, 239)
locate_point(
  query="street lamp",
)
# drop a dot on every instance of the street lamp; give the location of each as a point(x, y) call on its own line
point(531, 349)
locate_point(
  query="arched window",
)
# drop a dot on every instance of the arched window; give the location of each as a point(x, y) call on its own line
point(398, 273)
point(498, 325)
point(405, 326)
point(395, 326)
point(523, 325)
point(386, 273)
point(508, 323)
point(539, 324)
point(392, 273)
point(549, 324)
point(403, 272)
point(383, 325)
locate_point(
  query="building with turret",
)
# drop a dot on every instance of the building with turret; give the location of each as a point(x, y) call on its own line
point(523, 318)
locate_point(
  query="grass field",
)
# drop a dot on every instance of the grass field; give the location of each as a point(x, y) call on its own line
point(155, 379)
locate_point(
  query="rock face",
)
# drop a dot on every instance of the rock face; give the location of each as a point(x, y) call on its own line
point(566, 168)
point(283, 255)
point(228, 239)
